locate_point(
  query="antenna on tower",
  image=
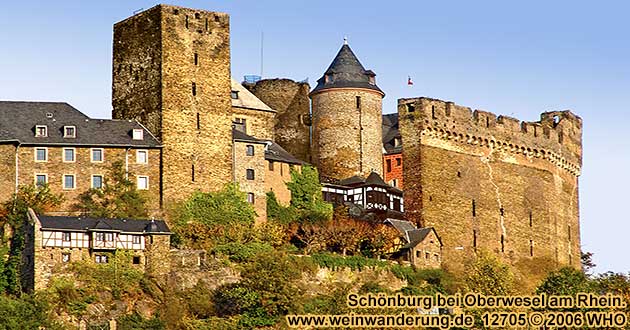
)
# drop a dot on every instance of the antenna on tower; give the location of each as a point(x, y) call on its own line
point(345, 40)
point(262, 42)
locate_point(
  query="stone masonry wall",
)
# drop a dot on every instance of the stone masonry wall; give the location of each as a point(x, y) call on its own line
point(257, 162)
point(493, 183)
point(7, 174)
point(83, 168)
point(347, 140)
point(290, 100)
point(427, 254)
point(258, 123)
point(172, 73)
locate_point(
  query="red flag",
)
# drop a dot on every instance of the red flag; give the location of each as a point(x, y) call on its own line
point(409, 81)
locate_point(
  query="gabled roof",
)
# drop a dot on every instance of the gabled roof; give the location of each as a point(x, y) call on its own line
point(242, 137)
point(18, 121)
point(73, 223)
point(373, 179)
point(346, 71)
point(247, 100)
point(403, 226)
point(418, 235)
point(276, 153)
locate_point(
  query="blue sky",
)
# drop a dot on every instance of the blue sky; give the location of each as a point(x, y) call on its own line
point(517, 59)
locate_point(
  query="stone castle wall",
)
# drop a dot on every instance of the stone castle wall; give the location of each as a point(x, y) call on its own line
point(258, 123)
point(172, 73)
point(493, 182)
point(290, 100)
point(347, 137)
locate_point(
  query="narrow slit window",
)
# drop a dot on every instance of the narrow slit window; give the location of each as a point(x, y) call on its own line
point(475, 239)
point(531, 221)
point(502, 243)
point(433, 112)
point(186, 21)
point(192, 172)
point(198, 121)
point(194, 89)
point(196, 59)
point(531, 248)
point(474, 208)
point(358, 99)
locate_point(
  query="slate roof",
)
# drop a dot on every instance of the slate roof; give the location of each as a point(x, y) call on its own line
point(276, 153)
point(401, 225)
point(373, 179)
point(346, 71)
point(74, 223)
point(391, 131)
point(418, 235)
point(273, 151)
point(18, 121)
point(246, 99)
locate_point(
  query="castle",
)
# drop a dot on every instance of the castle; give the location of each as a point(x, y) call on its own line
point(181, 124)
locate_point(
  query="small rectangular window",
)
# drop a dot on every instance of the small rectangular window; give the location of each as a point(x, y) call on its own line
point(109, 237)
point(142, 157)
point(143, 183)
point(100, 259)
point(41, 131)
point(136, 239)
point(234, 95)
point(136, 260)
point(250, 198)
point(196, 59)
point(398, 161)
point(68, 155)
point(138, 134)
point(271, 165)
point(97, 181)
point(194, 89)
point(68, 181)
point(411, 107)
point(388, 162)
point(41, 154)
point(65, 237)
point(250, 150)
point(41, 180)
point(69, 131)
point(250, 174)
point(99, 237)
point(97, 155)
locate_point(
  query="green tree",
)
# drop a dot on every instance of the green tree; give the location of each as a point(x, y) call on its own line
point(14, 214)
point(486, 274)
point(118, 198)
point(565, 281)
point(306, 195)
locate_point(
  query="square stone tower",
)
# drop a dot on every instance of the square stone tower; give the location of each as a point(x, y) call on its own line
point(171, 72)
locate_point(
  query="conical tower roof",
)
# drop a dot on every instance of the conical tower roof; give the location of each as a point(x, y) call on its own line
point(346, 71)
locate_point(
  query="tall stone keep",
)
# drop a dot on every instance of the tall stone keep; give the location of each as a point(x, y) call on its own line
point(171, 72)
point(347, 117)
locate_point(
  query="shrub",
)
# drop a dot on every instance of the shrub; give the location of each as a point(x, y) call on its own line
point(242, 252)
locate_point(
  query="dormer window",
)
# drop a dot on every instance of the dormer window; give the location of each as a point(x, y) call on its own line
point(327, 78)
point(69, 131)
point(397, 142)
point(41, 131)
point(372, 80)
point(234, 95)
point(138, 134)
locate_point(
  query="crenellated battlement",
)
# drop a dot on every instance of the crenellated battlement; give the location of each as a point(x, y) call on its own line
point(557, 137)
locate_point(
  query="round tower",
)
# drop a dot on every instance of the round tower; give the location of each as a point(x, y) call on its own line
point(347, 117)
